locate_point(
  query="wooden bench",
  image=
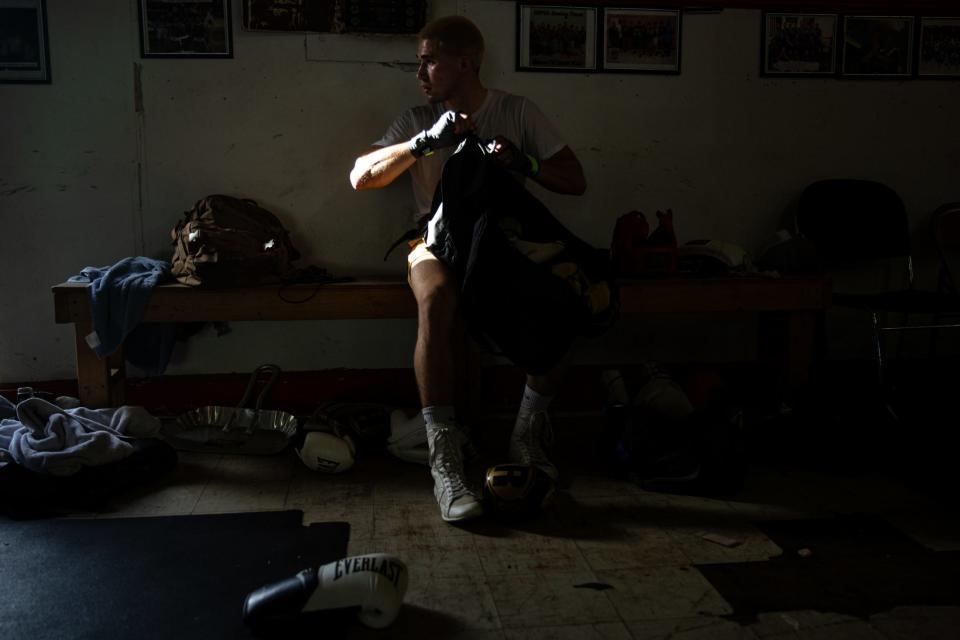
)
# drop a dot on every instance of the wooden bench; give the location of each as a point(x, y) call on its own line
point(787, 308)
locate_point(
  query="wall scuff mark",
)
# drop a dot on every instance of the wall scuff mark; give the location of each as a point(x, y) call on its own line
point(10, 192)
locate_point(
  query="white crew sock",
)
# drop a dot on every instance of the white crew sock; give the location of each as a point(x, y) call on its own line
point(439, 414)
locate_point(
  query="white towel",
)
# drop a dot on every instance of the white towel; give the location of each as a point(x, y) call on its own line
point(49, 439)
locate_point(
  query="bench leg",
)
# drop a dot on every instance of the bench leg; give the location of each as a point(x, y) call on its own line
point(100, 381)
point(787, 340)
point(93, 374)
point(117, 367)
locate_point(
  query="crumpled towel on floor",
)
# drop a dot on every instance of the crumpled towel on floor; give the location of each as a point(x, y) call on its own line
point(48, 439)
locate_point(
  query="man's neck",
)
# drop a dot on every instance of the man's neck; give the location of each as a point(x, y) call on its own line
point(469, 100)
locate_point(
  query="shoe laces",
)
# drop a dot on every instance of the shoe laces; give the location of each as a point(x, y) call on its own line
point(536, 434)
point(448, 459)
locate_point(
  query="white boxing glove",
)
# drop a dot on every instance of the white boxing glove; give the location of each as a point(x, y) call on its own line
point(326, 452)
point(376, 583)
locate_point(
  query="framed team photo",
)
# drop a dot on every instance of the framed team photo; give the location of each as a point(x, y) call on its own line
point(24, 50)
point(556, 38)
point(185, 29)
point(288, 15)
point(799, 44)
point(939, 47)
point(877, 46)
point(641, 40)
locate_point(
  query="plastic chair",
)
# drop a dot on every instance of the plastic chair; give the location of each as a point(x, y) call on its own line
point(863, 225)
point(945, 232)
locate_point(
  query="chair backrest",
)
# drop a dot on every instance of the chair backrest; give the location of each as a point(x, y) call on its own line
point(852, 220)
point(945, 229)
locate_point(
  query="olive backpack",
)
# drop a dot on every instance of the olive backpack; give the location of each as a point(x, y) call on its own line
point(225, 241)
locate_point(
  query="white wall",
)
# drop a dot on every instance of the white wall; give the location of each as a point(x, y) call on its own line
point(283, 120)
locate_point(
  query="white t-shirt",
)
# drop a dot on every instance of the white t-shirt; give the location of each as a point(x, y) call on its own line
point(514, 117)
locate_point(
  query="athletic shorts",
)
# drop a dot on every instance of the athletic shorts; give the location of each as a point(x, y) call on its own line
point(418, 253)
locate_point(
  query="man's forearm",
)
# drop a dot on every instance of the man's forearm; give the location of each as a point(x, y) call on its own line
point(562, 173)
point(380, 167)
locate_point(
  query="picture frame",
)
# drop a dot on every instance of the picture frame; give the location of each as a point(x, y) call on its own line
point(185, 29)
point(938, 53)
point(557, 38)
point(24, 44)
point(401, 17)
point(799, 44)
point(640, 40)
point(288, 15)
point(877, 46)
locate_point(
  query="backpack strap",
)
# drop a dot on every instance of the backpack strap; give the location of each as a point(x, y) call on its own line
point(409, 234)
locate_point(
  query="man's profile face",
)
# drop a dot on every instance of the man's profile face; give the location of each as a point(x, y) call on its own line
point(439, 73)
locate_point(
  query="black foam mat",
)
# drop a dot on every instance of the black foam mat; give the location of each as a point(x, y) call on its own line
point(176, 577)
point(856, 565)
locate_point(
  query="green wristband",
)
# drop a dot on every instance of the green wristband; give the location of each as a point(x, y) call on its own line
point(534, 166)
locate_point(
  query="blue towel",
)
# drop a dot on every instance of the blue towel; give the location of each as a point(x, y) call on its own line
point(118, 297)
point(48, 439)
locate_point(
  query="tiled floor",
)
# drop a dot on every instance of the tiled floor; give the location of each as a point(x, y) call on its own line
point(490, 580)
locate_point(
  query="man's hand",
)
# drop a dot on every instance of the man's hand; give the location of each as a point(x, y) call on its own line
point(448, 130)
point(511, 158)
point(560, 173)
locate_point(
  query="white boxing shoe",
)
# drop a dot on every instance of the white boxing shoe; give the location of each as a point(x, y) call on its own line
point(532, 435)
point(457, 500)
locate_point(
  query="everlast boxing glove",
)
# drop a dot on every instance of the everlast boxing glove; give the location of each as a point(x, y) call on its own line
point(376, 583)
point(327, 452)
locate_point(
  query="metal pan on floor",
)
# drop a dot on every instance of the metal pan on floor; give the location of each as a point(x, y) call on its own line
point(240, 429)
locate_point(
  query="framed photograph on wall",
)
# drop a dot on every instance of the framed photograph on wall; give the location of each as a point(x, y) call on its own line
point(799, 44)
point(24, 50)
point(641, 40)
point(383, 16)
point(288, 15)
point(877, 46)
point(939, 55)
point(185, 29)
point(556, 38)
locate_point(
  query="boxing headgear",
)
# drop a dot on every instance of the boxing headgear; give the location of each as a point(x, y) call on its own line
point(517, 490)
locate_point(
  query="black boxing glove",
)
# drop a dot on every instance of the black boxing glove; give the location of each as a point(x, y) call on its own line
point(441, 135)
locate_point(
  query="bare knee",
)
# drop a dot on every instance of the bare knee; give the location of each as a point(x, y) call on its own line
point(437, 305)
point(436, 293)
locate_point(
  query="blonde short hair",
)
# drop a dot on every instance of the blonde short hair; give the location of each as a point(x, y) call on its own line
point(457, 36)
